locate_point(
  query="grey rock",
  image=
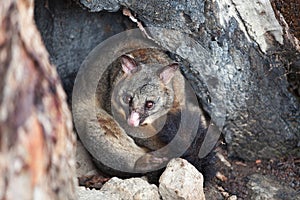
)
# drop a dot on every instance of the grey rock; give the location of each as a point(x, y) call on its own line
point(181, 181)
point(267, 187)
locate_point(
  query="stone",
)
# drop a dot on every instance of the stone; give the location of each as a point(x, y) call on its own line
point(118, 189)
point(267, 187)
point(233, 197)
point(130, 189)
point(87, 194)
point(181, 180)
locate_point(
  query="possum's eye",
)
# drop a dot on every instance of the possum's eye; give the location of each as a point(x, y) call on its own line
point(149, 105)
point(127, 99)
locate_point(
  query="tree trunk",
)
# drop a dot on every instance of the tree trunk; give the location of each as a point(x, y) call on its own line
point(254, 49)
point(36, 138)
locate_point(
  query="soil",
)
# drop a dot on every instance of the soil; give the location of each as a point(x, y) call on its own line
point(233, 179)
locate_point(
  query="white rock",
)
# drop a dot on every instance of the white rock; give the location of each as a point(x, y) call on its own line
point(181, 181)
point(131, 189)
point(118, 189)
point(87, 194)
point(233, 197)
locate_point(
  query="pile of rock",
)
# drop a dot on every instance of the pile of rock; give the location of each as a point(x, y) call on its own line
point(180, 181)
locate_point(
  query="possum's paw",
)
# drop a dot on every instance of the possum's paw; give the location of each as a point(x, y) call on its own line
point(150, 162)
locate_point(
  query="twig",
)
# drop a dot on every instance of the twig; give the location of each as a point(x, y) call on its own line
point(223, 159)
point(127, 13)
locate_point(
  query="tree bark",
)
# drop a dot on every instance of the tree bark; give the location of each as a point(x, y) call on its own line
point(255, 53)
point(254, 46)
point(36, 137)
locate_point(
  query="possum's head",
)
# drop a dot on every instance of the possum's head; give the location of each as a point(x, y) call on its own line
point(146, 91)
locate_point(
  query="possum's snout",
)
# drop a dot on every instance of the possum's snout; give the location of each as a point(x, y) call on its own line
point(134, 119)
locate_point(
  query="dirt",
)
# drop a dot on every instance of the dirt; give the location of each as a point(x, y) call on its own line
point(233, 179)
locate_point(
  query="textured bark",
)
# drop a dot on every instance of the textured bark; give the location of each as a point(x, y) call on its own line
point(70, 33)
point(255, 58)
point(36, 137)
point(251, 63)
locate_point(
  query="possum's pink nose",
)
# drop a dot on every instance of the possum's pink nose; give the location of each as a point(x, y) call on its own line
point(134, 119)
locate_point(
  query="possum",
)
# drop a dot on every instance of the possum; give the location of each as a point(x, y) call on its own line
point(151, 105)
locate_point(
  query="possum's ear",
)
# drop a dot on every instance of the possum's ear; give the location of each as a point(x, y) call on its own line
point(128, 64)
point(168, 72)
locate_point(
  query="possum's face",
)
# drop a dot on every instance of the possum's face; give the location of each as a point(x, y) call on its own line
point(145, 91)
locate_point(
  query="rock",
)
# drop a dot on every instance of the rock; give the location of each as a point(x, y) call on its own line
point(233, 197)
point(181, 181)
point(267, 187)
point(129, 189)
point(87, 194)
point(118, 189)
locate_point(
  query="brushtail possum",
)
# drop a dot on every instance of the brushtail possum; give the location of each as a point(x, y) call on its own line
point(149, 114)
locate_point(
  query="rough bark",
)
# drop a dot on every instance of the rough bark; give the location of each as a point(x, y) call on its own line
point(70, 33)
point(253, 50)
point(36, 138)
